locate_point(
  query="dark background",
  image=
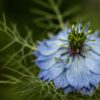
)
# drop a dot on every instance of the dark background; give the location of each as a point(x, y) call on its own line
point(19, 12)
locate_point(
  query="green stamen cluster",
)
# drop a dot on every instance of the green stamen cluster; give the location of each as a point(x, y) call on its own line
point(76, 41)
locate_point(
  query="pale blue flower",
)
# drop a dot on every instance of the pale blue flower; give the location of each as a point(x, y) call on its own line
point(71, 59)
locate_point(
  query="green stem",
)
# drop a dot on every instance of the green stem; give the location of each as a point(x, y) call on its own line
point(56, 10)
point(26, 45)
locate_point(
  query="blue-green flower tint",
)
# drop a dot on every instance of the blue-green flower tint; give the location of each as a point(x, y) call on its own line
point(71, 59)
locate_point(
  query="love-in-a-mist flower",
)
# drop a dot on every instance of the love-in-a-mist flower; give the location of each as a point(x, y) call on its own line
point(71, 59)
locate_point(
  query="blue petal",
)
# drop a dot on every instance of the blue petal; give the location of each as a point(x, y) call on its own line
point(93, 63)
point(86, 91)
point(69, 89)
point(63, 35)
point(36, 53)
point(95, 79)
point(78, 75)
point(45, 50)
point(52, 72)
point(95, 45)
point(53, 43)
point(68, 62)
point(61, 81)
point(49, 47)
point(45, 62)
point(41, 58)
point(56, 70)
point(93, 36)
point(44, 75)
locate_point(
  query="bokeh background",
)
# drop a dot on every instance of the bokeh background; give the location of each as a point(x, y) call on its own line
point(23, 23)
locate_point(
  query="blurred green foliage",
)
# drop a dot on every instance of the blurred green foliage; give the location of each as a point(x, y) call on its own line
point(23, 23)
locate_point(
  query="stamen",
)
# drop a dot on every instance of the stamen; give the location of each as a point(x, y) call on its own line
point(77, 40)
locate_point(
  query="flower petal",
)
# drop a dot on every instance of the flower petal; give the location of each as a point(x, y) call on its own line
point(95, 45)
point(85, 91)
point(95, 79)
point(93, 63)
point(45, 50)
point(63, 35)
point(78, 75)
point(45, 62)
point(52, 72)
point(44, 75)
point(56, 70)
point(69, 89)
point(61, 81)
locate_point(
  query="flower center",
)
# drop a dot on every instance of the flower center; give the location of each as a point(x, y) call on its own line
point(76, 42)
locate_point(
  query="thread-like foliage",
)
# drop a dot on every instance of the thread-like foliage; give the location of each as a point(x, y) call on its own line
point(18, 68)
point(49, 15)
